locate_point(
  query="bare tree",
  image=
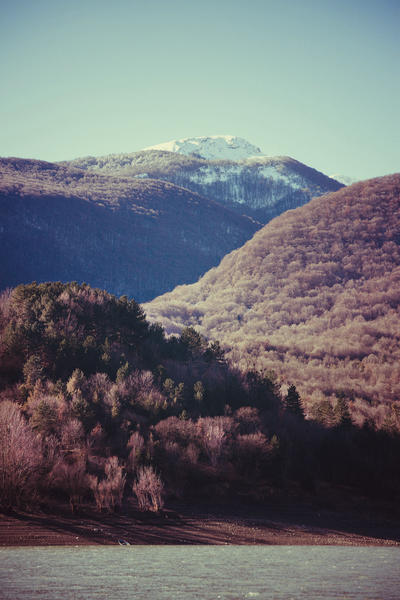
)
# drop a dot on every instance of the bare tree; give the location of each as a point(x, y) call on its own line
point(109, 491)
point(213, 434)
point(149, 490)
point(20, 457)
point(136, 444)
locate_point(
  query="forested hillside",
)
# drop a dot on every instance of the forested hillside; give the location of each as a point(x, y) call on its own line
point(129, 236)
point(313, 297)
point(97, 406)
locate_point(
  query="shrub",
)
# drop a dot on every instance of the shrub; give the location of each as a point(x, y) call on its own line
point(251, 452)
point(70, 477)
point(149, 490)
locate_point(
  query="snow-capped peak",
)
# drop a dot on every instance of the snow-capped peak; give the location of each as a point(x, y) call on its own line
point(213, 147)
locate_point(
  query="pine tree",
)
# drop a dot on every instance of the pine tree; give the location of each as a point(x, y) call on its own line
point(293, 402)
point(342, 413)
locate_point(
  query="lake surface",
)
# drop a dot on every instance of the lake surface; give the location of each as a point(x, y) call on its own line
point(203, 572)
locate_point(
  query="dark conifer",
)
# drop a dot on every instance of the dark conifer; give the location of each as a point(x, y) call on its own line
point(293, 402)
point(342, 413)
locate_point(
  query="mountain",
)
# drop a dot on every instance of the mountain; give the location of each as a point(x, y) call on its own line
point(214, 147)
point(315, 297)
point(226, 169)
point(130, 236)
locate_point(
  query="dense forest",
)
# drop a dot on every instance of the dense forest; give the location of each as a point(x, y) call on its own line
point(99, 406)
point(139, 237)
point(315, 297)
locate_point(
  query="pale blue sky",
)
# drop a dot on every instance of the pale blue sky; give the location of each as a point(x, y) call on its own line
point(315, 80)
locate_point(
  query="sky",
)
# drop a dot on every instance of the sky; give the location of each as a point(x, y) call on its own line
point(318, 80)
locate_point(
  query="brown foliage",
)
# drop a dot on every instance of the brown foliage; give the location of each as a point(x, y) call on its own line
point(20, 458)
point(136, 446)
point(214, 436)
point(69, 475)
point(149, 490)
point(314, 297)
point(109, 491)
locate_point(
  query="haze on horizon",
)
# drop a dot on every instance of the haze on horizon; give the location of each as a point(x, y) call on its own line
point(314, 80)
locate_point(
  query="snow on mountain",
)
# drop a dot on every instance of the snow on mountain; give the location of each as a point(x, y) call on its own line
point(260, 187)
point(272, 169)
point(214, 147)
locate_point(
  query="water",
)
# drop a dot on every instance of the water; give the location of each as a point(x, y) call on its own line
point(203, 572)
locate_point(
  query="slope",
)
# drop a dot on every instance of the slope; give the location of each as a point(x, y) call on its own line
point(314, 296)
point(129, 236)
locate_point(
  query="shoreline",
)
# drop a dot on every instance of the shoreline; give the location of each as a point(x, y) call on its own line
point(203, 525)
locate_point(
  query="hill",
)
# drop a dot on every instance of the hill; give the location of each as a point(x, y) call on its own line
point(314, 297)
point(226, 169)
point(130, 236)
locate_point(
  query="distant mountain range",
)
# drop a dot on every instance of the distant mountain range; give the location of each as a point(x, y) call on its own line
point(226, 169)
point(129, 236)
point(139, 224)
point(314, 296)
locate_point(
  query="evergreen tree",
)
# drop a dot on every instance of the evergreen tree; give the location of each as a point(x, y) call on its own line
point(33, 370)
point(342, 413)
point(293, 402)
point(194, 343)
